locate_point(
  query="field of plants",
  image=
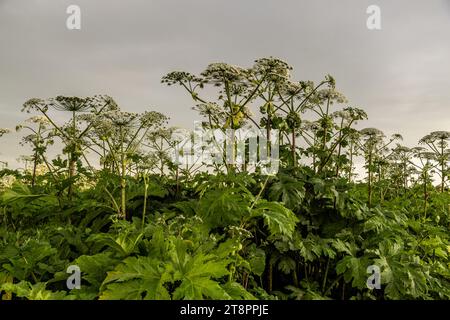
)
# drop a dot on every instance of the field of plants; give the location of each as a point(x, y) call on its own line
point(139, 225)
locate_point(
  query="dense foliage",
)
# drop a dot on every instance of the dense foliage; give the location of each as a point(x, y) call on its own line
point(139, 225)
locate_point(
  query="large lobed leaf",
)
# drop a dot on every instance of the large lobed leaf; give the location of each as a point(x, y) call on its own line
point(278, 219)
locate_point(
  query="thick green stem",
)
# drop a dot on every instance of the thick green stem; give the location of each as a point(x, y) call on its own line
point(144, 210)
point(326, 275)
point(425, 194)
point(36, 156)
point(270, 278)
point(442, 167)
point(339, 149)
point(350, 169)
point(123, 184)
point(369, 185)
point(72, 157)
point(293, 147)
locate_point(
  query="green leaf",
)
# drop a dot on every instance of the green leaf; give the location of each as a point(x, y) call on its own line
point(21, 192)
point(237, 292)
point(286, 265)
point(198, 273)
point(36, 291)
point(198, 288)
point(223, 207)
point(354, 269)
point(136, 278)
point(94, 268)
point(257, 260)
point(278, 219)
point(287, 190)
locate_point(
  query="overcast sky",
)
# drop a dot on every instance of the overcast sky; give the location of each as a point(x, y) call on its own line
point(399, 75)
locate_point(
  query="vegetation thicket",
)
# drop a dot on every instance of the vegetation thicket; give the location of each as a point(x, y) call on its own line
point(139, 225)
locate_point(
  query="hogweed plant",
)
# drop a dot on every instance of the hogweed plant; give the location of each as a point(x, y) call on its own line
point(120, 135)
point(70, 133)
point(374, 146)
point(40, 138)
point(425, 168)
point(266, 97)
point(438, 143)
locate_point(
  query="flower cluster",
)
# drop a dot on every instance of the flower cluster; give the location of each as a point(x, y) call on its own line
point(332, 95)
point(4, 131)
point(218, 73)
point(34, 104)
point(436, 136)
point(71, 104)
point(372, 133)
point(153, 119)
point(272, 68)
point(180, 77)
point(121, 118)
point(350, 114)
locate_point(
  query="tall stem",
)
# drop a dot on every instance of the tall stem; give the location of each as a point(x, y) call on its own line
point(425, 193)
point(144, 210)
point(72, 160)
point(36, 155)
point(326, 275)
point(350, 169)
point(294, 154)
point(122, 176)
point(369, 185)
point(442, 167)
